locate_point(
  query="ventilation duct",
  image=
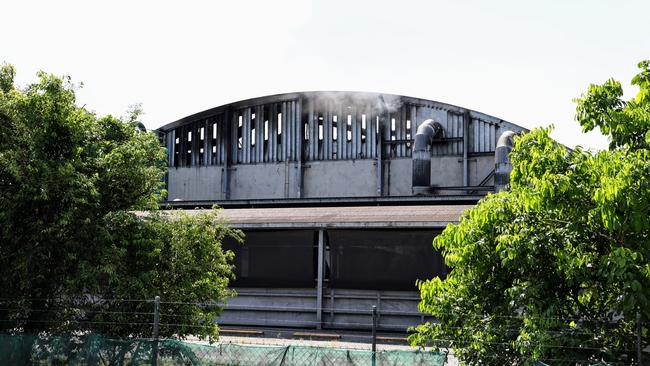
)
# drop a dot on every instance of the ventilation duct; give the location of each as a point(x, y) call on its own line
point(502, 165)
point(424, 137)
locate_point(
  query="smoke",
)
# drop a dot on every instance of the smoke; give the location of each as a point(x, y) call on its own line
point(381, 103)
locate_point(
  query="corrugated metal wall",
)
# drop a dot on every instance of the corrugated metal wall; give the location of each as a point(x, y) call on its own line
point(317, 128)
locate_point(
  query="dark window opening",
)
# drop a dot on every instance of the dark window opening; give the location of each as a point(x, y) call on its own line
point(253, 130)
point(363, 129)
point(349, 128)
point(240, 132)
point(383, 259)
point(279, 128)
point(283, 258)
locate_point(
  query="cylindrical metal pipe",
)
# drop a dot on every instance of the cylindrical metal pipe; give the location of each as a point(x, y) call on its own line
point(426, 131)
point(502, 165)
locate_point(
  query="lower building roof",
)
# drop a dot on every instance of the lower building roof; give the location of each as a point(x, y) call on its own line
point(357, 217)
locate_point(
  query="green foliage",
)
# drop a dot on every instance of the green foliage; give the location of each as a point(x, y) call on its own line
point(556, 269)
point(69, 182)
point(627, 123)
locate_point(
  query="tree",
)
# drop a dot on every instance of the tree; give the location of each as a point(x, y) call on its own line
point(557, 268)
point(70, 242)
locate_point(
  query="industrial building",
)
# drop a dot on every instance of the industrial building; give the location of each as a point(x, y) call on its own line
point(340, 195)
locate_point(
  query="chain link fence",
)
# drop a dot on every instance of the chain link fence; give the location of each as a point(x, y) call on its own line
point(93, 349)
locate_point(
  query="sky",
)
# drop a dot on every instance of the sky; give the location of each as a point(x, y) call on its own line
point(521, 61)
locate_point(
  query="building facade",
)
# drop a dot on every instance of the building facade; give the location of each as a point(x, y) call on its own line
point(339, 194)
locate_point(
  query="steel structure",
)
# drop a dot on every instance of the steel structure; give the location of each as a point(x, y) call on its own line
point(340, 195)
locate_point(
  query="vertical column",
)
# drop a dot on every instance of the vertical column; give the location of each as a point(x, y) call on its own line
point(259, 134)
point(372, 132)
point(171, 147)
point(320, 131)
point(222, 135)
point(289, 123)
point(237, 154)
point(367, 152)
point(348, 132)
point(466, 119)
point(341, 124)
point(379, 149)
point(310, 133)
point(273, 133)
point(207, 139)
point(283, 148)
point(225, 136)
point(246, 135)
point(386, 135)
point(414, 124)
point(196, 142)
point(299, 157)
point(319, 281)
point(182, 138)
point(356, 137)
point(327, 132)
point(353, 129)
point(402, 131)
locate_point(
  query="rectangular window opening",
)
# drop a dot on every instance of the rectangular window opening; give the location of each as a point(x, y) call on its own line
point(266, 130)
point(320, 128)
point(349, 129)
point(240, 138)
point(279, 129)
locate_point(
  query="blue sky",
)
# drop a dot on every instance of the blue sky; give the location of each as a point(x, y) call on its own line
point(518, 60)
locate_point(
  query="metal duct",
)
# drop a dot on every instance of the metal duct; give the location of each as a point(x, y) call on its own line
point(502, 165)
point(424, 136)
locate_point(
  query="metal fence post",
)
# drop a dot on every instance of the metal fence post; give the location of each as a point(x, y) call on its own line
point(638, 338)
point(374, 335)
point(156, 322)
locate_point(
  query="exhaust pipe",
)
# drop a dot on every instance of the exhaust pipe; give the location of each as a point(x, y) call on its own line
point(502, 165)
point(424, 137)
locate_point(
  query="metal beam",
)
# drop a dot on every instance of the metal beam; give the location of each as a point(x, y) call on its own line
point(319, 285)
point(347, 225)
point(379, 148)
point(466, 120)
point(299, 158)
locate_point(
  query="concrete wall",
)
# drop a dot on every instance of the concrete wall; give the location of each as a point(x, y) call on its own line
point(479, 168)
point(194, 183)
point(447, 171)
point(257, 181)
point(346, 178)
point(321, 179)
point(400, 173)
